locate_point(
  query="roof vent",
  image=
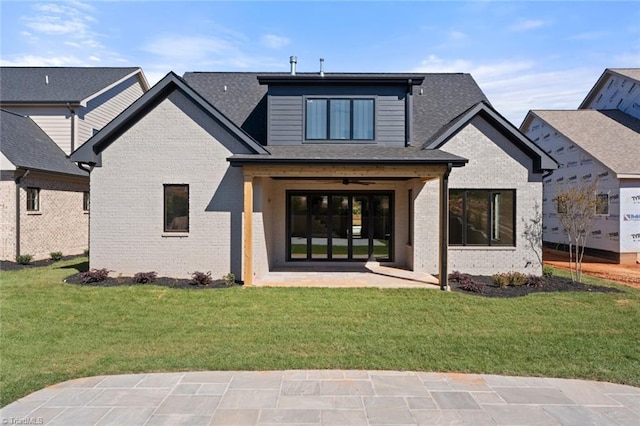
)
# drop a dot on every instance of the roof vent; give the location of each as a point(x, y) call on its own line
point(46, 79)
point(293, 60)
point(321, 67)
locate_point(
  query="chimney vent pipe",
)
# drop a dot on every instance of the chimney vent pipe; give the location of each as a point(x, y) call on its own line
point(321, 67)
point(293, 60)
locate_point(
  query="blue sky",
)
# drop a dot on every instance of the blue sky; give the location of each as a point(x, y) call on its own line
point(524, 55)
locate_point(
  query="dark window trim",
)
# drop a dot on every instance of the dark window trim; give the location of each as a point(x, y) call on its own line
point(490, 193)
point(164, 207)
point(86, 201)
point(298, 192)
point(410, 218)
point(328, 113)
point(33, 203)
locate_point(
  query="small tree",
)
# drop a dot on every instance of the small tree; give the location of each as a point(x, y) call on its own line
point(576, 207)
point(532, 232)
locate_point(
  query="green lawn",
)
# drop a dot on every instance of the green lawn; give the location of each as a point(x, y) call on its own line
point(51, 331)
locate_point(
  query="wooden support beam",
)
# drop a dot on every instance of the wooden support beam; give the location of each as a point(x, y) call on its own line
point(247, 246)
point(339, 171)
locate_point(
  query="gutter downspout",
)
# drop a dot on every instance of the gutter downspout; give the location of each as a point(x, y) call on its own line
point(444, 229)
point(73, 127)
point(18, 181)
point(409, 112)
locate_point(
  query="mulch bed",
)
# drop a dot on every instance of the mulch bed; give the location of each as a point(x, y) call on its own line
point(6, 265)
point(551, 285)
point(159, 281)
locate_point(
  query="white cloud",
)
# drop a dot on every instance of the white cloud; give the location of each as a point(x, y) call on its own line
point(526, 25)
point(71, 19)
point(41, 61)
point(589, 36)
point(457, 35)
point(273, 41)
point(187, 48)
point(515, 87)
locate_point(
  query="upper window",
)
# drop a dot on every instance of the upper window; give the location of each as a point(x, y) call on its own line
point(33, 199)
point(339, 119)
point(482, 217)
point(176, 208)
point(602, 204)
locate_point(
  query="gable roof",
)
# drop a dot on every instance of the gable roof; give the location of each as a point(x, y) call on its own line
point(73, 85)
point(240, 96)
point(27, 146)
point(633, 73)
point(541, 160)
point(90, 151)
point(609, 136)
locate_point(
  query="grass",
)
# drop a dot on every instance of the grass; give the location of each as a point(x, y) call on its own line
point(52, 331)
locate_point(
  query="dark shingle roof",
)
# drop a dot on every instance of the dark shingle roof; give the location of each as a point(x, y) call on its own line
point(444, 97)
point(65, 84)
point(27, 146)
point(351, 154)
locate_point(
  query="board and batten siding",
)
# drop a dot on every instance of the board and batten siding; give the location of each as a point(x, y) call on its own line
point(286, 112)
point(54, 121)
point(105, 107)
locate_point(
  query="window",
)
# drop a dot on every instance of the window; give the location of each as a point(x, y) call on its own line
point(176, 208)
point(339, 119)
point(561, 204)
point(482, 217)
point(33, 199)
point(602, 204)
point(85, 201)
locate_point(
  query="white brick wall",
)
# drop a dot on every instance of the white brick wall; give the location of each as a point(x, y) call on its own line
point(494, 163)
point(175, 143)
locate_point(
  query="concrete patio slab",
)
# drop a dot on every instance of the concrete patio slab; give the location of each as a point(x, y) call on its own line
point(325, 397)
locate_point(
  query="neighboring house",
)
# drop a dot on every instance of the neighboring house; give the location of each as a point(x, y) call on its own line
point(47, 113)
point(600, 140)
point(333, 168)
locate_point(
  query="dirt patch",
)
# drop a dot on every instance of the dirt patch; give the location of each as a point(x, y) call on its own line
point(486, 288)
point(596, 267)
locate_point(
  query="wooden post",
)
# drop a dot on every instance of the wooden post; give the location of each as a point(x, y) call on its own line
point(247, 246)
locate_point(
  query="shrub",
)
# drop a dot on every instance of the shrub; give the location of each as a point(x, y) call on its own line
point(500, 280)
point(200, 278)
point(55, 255)
point(86, 252)
point(229, 279)
point(24, 259)
point(472, 286)
point(94, 275)
point(517, 278)
point(145, 277)
point(547, 271)
point(457, 276)
point(535, 281)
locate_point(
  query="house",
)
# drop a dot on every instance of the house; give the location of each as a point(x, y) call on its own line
point(598, 141)
point(46, 113)
point(332, 168)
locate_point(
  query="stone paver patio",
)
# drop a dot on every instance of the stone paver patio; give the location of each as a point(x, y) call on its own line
point(326, 397)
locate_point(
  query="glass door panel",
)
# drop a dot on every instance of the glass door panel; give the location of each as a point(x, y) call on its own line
point(298, 227)
point(381, 238)
point(340, 227)
point(319, 226)
point(360, 227)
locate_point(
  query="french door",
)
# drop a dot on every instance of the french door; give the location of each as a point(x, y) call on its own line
point(339, 226)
